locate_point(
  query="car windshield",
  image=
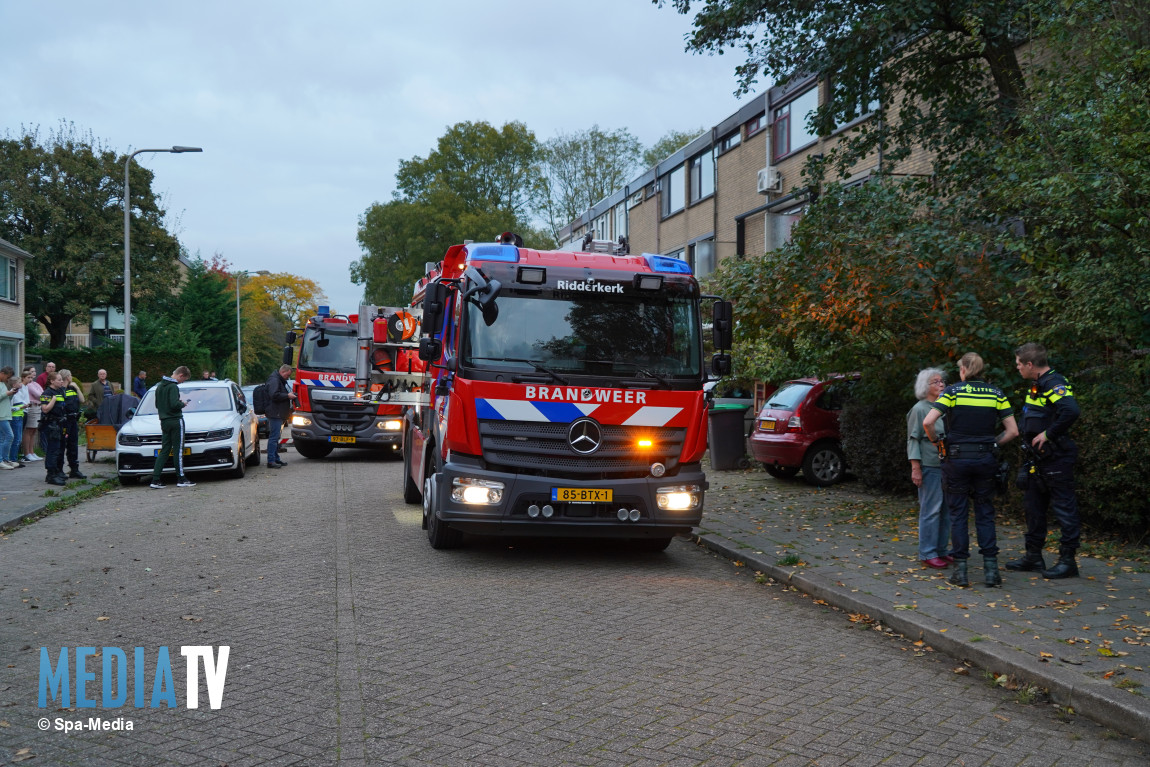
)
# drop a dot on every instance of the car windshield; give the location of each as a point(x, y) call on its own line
point(201, 399)
point(336, 355)
point(789, 395)
point(656, 337)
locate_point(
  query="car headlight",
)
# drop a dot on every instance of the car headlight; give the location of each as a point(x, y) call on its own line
point(128, 439)
point(218, 435)
point(299, 420)
point(389, 425)
point(679, 497)
point(476, 491)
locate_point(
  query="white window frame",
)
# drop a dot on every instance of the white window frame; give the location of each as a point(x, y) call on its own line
point(10, 289)
point(674, 191)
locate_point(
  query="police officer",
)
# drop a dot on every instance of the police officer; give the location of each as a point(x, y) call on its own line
point(973, 410)
point(52, 427)
point(1049, 413)
point(73, 399)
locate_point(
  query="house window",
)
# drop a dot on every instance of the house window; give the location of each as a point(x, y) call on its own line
point(8, 280)
point(729, 142)
point(620, 221)
point(856, 105)
point(702, 257)
point(779, 226)
point(673, 191)
point(789, 128)
point(702, 176)
point(600, 227)
point(755, 124)
point(10, 353)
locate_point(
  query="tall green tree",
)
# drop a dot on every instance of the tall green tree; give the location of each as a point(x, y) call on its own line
point(61, 199)
point(671, 142)
point(581, 168)
point(478, 182)
point(207, 304)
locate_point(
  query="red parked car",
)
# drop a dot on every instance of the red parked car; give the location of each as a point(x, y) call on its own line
point(798, 428)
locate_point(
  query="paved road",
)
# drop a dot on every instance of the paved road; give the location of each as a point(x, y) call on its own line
point(353, 642)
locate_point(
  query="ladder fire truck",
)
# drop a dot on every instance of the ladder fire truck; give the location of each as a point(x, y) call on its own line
point(564, 395)
point(354, 375)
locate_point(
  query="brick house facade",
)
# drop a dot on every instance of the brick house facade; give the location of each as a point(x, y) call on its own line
point(12, 261)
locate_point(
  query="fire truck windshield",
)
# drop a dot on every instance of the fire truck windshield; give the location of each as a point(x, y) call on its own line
point(336, 356)
point(592, 335)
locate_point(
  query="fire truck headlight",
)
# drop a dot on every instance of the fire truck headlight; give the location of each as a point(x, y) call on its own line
point(389, 425)
point(679, 497)
point(476, 491)
point(299, 420)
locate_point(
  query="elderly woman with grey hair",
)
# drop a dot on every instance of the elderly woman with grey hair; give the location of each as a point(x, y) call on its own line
point(926, 472)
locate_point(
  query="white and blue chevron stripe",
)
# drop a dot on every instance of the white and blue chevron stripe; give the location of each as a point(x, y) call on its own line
point(564, 412)
point(329, 384)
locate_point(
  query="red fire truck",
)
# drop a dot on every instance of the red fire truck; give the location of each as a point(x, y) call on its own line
point(564, 395)
point(354, 376)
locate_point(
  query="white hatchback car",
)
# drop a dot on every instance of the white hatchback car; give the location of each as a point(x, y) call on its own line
point(219, 433)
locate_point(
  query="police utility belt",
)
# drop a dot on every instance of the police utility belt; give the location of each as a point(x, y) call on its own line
point(968, 449)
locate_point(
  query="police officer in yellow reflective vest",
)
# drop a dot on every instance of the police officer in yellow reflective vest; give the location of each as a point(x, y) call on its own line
point(1049, 413)
point(973, 410)
point(71, 436)
point(52, 427)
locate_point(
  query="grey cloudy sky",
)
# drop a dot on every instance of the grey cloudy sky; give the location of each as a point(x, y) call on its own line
point(304, 109)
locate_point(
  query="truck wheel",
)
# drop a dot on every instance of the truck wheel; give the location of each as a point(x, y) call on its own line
point(312, 449)
point(411, 492)
point(439, 533)
point(824, 464)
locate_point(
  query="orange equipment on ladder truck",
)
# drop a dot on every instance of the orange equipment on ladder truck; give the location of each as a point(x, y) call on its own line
point(564, 395)
point(354, 376)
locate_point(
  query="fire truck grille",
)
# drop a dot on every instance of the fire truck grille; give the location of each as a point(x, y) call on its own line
point(530, 447)
point(342, 417)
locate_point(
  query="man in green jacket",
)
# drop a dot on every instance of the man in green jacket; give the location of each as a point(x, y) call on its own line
point(171, 410)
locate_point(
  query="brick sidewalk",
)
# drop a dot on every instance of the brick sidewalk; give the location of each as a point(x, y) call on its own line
point(1086, 639)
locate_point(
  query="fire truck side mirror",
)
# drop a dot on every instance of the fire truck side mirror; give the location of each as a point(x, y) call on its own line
point(430, 349)
point(290, 338)
point(721, 365)
point(288, 355)
point(434, 301)
point(721, 324)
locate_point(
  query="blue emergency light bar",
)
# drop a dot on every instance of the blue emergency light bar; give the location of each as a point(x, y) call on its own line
point(667, 264)
point(506, 253)
point(323, 311)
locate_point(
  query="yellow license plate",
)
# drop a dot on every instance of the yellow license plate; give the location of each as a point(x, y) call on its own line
point(581, 495)
point(343, 440)
point(156, 452)
point(767, 425)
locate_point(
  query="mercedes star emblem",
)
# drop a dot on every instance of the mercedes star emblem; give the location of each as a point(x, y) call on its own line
point(585, 436)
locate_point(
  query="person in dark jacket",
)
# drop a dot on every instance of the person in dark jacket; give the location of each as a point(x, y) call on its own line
point(973, 410)
point(279, 408)
point(73, 403)
point(171, 410)
point(1047, 418)
point(140, 384)
point(52, 427)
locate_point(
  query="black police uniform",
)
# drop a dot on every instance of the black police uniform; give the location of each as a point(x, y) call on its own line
point(973, 410)
point(71, 435)
point(52, 428)
point(1051, 408)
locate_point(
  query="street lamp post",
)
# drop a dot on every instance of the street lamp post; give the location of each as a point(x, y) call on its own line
point(128, 256)
point(239, 355)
